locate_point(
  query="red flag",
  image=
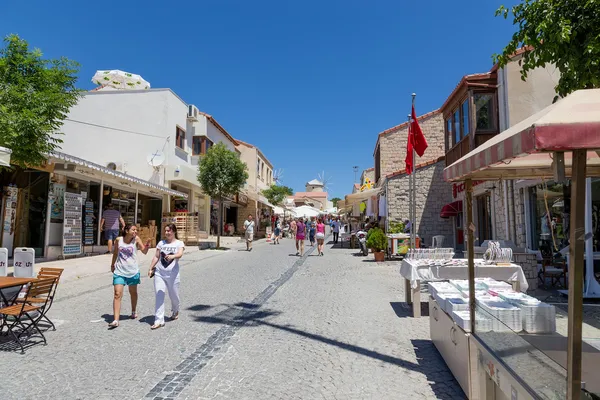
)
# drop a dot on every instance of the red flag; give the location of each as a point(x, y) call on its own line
point(409, 151)
point(419, 143)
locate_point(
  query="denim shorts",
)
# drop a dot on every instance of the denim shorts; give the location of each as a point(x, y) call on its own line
point(111, 234)
point(121, 280)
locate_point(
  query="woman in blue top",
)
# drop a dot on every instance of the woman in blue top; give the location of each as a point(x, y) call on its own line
point(312, 228)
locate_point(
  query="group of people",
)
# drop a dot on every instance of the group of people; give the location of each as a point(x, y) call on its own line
point(313, 229)
point(164, 268)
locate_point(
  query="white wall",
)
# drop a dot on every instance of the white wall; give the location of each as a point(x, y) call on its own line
point(125, 127)
point(248, 156)
point(217, 136)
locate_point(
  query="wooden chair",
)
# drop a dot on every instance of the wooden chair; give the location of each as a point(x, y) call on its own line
point(555, 270)
point(45, 273)
point(21, 311)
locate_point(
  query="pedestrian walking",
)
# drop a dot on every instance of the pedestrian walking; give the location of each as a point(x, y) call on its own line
point(126, 270)
point(165, 270)
point(294, 227)
point(249, 233)
point(320, 236)
point(335, 226)
point(277, 230)
point(312, 228)
point(300, 237)
point(111, 223)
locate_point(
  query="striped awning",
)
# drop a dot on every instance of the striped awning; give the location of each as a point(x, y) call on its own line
point(525, 149)
point(152, 187)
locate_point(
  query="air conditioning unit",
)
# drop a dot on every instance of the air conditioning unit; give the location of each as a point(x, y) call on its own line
point(193, 113)
point(119, 167)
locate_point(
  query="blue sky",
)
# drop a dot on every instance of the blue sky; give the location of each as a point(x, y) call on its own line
point(311, 83)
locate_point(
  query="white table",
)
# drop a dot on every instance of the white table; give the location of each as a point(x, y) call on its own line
point(413, 275)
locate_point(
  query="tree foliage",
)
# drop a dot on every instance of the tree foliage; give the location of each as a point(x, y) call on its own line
point(335, 201)
point(565, 33)
point(221, 174)
point(276, 194)
point(35, 98)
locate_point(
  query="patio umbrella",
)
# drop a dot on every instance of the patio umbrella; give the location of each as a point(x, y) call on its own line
point(306, 211)
point(118, 79)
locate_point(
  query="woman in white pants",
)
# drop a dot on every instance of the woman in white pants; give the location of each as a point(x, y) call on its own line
point(165, 270)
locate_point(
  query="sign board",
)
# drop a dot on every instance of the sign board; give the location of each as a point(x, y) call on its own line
point(241, 199)
point(3, 261)
point(24, 262)
point(72, 224)
point(458, 188)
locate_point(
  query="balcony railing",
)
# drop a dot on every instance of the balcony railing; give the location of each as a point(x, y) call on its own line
point(464, 146)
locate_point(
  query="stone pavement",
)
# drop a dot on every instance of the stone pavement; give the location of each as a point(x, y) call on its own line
point(259, 325)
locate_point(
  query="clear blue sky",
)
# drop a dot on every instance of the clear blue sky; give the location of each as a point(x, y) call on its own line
point(310, 82)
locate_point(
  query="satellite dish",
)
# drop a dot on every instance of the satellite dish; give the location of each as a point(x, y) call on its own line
point(156, 159)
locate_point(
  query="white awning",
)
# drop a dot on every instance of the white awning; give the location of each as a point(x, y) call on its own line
point(153, 188)
point(359, 197)
point(264, 200)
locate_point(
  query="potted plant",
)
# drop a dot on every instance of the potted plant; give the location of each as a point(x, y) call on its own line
point(378, 242)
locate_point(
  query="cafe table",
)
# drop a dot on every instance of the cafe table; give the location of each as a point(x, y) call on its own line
point(7, 282)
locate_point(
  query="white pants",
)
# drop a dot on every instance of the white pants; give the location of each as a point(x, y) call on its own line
point(161, 285)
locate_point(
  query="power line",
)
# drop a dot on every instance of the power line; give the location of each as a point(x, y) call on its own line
point(114, 129)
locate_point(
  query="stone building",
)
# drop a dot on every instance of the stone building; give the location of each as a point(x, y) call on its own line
point(432, 194)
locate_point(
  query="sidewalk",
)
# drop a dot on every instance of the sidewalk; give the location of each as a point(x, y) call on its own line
point(83, 267)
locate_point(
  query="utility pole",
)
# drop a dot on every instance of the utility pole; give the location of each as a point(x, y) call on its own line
point(355, 168)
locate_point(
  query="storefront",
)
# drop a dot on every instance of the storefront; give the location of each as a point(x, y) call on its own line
point(79, 191)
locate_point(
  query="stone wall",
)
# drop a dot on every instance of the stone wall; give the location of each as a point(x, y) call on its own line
point(433, 193)
point(392, 145)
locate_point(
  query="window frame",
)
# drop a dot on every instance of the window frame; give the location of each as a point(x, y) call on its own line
point(179, 136)
point(203, 147)
point(493, 111)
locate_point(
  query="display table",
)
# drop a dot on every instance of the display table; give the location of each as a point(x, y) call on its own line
point(414, 274)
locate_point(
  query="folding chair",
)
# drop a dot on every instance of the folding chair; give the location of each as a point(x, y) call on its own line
point(46, 273)
point(39, 289)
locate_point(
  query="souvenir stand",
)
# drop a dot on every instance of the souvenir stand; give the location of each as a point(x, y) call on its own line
point(560, 142)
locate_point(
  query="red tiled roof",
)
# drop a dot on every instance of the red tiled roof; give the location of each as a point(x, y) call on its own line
point(418, 166)
point(219, 127)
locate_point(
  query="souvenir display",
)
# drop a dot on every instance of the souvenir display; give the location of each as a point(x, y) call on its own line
point(72, 224)
point(88, 238)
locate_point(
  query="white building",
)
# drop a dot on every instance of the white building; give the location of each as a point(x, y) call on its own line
point(123, 129)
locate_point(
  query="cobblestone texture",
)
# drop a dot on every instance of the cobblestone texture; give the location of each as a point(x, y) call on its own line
point(257, 325)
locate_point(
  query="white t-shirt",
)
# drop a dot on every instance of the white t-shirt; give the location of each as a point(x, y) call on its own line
point(164, 267)
point(249, 226)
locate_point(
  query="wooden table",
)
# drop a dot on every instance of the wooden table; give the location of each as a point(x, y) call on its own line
point(9, 282)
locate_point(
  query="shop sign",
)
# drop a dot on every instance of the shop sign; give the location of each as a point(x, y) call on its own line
point(45, 166)
point(241, 199)
point(458, 188)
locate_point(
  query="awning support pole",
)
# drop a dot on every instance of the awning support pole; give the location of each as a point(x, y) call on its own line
point(576, 267)
point(470, 250)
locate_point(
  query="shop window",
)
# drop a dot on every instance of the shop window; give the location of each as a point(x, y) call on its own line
point(200, 145)
point(465, 118)
point(549, 204)
point(179, 137)
point(456, 120)
point(449, 133)
point(484, 111)
point(596, 212)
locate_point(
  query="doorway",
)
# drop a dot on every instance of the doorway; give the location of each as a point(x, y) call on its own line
point(484, 217)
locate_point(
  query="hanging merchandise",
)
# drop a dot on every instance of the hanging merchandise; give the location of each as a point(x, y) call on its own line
point(88, 238)
point(382, 206)
point(369, 208)
point(11, 194)
point(72, 225)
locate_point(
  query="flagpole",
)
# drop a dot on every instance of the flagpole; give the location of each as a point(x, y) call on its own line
point(411, 188)
point(414, 170)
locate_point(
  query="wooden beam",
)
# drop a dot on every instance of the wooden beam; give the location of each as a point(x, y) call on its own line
point(470, 250)
point(576, 268)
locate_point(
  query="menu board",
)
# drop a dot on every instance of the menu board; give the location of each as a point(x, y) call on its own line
point(72, 225)
point(88, 232)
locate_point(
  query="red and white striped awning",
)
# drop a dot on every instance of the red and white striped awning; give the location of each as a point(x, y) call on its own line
point(525, 149)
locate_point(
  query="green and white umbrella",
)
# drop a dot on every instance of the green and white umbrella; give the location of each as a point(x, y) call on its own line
point(120, 80)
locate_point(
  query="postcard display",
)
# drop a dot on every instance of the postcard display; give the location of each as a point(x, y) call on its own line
point(72, 225)
point(88, 238)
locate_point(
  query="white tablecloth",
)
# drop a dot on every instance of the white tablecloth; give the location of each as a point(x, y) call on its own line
point(414, 273)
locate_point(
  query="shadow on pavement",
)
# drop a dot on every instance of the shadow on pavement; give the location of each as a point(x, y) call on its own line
point(404, 310)
point(441, 381)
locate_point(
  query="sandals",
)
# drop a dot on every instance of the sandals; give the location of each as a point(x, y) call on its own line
point(175, 316)
point(134, 315)
point(156, 326)
point(113, 325)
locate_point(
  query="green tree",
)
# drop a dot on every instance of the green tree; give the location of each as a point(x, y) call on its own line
point(276, 194)
point(35, 98)
point(335, 201)
point(565, 33)
point(221, 174)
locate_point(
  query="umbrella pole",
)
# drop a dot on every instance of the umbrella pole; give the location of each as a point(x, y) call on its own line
point(576, 249)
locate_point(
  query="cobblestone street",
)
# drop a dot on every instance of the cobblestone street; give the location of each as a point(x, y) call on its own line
point(259, 325)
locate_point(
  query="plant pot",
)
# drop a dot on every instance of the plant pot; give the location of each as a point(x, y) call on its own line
point(379, 256)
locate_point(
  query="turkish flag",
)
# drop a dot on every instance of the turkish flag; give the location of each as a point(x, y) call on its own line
point(418, 140)
point(409, 152)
